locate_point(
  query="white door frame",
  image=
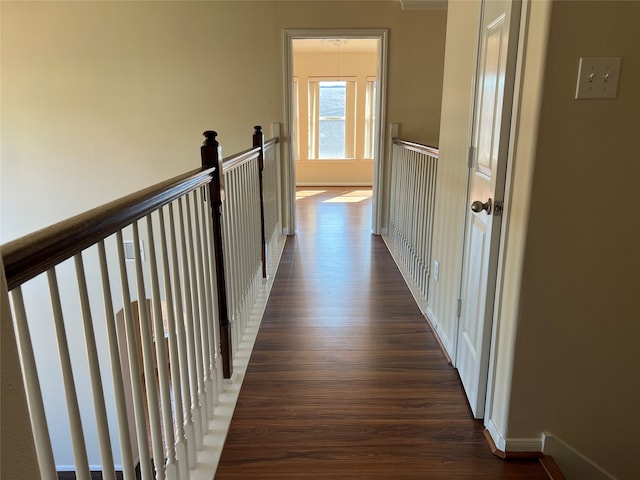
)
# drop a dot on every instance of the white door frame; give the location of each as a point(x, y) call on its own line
point(487, 379)
point(493, 381)
point(378, 160)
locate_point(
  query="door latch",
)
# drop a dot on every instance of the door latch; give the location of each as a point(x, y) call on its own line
point(498, 206)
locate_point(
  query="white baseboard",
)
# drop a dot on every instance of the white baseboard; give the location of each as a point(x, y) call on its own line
point(445, 341)
point(512, 445)
point(572, 463)
point(408, 280)
point(496, 436)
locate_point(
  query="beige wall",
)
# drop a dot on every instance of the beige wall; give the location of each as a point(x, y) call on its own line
point(102, 98)
point(577, 371)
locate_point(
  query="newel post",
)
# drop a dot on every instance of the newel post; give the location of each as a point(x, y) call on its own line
point(258, 141)
point(211, 153)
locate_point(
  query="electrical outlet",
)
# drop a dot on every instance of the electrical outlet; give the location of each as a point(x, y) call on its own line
point(436, 270)
point(130, 252)
point(598, 77)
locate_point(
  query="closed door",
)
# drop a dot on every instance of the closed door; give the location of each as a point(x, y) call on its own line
point(490, 138)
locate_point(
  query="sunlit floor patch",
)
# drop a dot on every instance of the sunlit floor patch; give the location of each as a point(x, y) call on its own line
point(307, 193)
point(351, 197)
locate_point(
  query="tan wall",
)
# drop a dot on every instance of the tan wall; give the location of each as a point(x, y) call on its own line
point(102, 98)
point(359, 66)
point(577, 371)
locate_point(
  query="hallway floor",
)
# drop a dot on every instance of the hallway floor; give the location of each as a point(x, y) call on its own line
point(346, 380)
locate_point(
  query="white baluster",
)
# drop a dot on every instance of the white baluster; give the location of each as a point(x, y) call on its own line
point(204, 313)
point(39, 427)
point(214, 335)
point(134, 367)
point(75, 423)
point(197, 331)
point(182, 345)
point(174, 361)
point(153, 408)
point(116, 369)
point(161, 358)
point(104, 439)
point(196, 410)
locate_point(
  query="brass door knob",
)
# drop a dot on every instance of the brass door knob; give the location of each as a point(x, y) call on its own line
point(478, 206)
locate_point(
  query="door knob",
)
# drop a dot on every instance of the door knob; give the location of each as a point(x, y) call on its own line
point(478, 206)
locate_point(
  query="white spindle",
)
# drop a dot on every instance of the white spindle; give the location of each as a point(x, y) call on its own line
point(411, 208)
point(204, 313)
point(214, 334)
point(196, 409)
point(75, 422)
point(228, 222)
point(128, 472)
point(100, 410)
point(197, 329)
point(181, 334)
point(39, 427)
point(134, 367)
point(174, 361)
point(161, 357)
point(153, 408)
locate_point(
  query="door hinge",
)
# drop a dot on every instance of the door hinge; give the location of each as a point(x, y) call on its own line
point(459, 308)
point(470, 156)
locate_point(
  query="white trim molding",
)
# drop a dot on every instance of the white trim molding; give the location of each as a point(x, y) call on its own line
point(424, 4)
point(571, 462)
point(512, 445)
point(380, 34)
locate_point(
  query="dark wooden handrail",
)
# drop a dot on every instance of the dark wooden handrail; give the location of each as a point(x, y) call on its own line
point(33, 254)
point(37, 252)
point(416, 147)
point(234, 161)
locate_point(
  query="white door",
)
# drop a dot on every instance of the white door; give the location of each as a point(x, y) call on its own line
point(490, 137)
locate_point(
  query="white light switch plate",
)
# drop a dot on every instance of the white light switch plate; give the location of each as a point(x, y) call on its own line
point(598, 77)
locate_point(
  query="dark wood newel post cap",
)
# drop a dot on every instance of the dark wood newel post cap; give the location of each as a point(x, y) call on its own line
point(258, 129)
point(210, 137)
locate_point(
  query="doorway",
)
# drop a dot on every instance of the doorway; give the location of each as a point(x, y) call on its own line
point(335, 94)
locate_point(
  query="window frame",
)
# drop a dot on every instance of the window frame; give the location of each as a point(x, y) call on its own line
point(313, 98)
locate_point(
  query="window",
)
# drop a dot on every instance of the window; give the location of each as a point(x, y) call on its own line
point(331, 119)
point(296, 119)
point(370, 117)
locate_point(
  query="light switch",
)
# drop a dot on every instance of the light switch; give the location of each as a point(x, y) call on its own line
point(598, 77)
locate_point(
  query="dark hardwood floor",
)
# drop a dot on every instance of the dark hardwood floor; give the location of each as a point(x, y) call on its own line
point(346, 381)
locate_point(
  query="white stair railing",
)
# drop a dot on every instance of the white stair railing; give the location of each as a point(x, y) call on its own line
point(411, 212)
point(117, 318)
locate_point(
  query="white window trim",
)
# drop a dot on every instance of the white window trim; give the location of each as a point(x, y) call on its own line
point(349, 117)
